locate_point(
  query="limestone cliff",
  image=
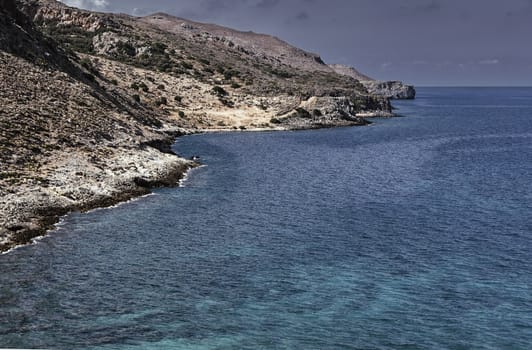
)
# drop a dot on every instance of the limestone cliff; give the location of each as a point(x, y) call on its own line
point(389, 89)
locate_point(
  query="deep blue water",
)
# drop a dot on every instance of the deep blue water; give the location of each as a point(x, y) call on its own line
point(412, 233)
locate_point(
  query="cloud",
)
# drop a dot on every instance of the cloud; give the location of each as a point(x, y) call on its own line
point(488, 62)
point(302, 16)
point(386, 65)
point(422, 6)
point(267, 4)
point(93, 5)
point(142, 11)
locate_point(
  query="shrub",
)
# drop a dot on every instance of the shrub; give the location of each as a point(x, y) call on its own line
point(136, 98)
point(158, 48)
point(181, 114)
point(125, 49)
point(317, 113)
point(86, 63)
point(186, 65)
point(161, 101)
point(160, 87)
point(302, 113)
point(219, 91)
point(226, 102)
point(178, 99)
point(235, 85)
point(143, 87)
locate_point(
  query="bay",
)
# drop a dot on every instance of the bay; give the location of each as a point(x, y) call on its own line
point(412, 233)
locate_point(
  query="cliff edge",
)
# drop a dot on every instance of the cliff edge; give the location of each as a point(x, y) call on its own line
point(390, 89)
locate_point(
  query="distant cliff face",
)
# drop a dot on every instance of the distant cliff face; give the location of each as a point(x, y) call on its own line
point(388, 89)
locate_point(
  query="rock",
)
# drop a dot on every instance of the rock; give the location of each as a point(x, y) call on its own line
point(388, 89)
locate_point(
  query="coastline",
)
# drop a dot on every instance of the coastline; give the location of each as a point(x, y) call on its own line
point(40, 217)
point(33, 212)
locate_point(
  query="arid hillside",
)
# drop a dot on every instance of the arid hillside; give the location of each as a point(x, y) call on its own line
point(90, 103)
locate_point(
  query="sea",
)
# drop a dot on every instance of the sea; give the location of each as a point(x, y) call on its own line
point(412, 233)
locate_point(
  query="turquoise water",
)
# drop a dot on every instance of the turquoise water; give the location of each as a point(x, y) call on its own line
point(412, 233)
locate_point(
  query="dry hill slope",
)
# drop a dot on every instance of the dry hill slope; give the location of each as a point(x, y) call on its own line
point(91, 101)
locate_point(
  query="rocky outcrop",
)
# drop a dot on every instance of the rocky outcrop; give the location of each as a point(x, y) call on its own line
point(388, 89)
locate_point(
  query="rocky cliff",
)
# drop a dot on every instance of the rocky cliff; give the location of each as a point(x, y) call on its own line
point(389, 89)
point(90, 103)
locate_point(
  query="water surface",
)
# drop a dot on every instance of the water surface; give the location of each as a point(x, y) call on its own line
point(412, 233)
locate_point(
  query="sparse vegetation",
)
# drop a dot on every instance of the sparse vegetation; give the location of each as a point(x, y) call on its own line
point(317, 113)
point(161, 101)
point(219, 91)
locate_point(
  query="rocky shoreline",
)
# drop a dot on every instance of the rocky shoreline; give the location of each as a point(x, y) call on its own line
point(33, 210)
point(91, 103)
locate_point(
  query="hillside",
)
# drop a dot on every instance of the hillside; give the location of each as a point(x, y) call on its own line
point(91, 102)
point(390, 89)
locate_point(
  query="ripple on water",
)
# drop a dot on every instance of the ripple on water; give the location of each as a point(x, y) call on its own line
point(414, 233)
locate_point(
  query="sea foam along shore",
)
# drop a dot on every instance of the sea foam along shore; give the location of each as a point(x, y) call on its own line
point(78, 182)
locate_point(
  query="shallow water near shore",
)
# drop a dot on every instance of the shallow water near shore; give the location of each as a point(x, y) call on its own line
point(412, 233)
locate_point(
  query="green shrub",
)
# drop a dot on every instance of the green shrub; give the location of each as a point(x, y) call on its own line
point(136, 98)
point(158, 48)
point(161, 101)
point(302, 113)
point(143, 87)
point(125, 49)
point(317, 113)
point(186, 65)
point(178, 99)
point(86, 63)
point(219, 91)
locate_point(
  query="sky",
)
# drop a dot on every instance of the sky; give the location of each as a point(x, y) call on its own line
point(423, 42)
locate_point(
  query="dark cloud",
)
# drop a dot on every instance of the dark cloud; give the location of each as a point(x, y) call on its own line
point(302, 16)
point(267, 4)
point(421, 6)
